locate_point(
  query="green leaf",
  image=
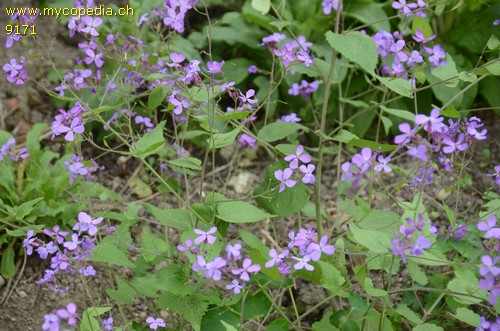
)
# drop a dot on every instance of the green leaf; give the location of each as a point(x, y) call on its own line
point(191, 307)
point(21, 232)
point(8, 266)
point(124, 294)
point(33, 137)
point(279, 130)
point(416, 273)
point(156, 97)
point(448, 71)
point(240, 212)
point(109, 253)
point(467, 316)
point(254, 242)
point(332, 279)
point(421, 24)
point(220, 318)
point(281, 24)
point(152, 246)
point(404, 114)
point(427, 327)
point(372, 145)
point(150, 143)
point(464, 282)
point(187, 162)
point(256, 305)
point(375, 241)
point(371, 291)
point(451, 111)
point(281, 324)
point(89, 321)
point(220, 140)
point(262, 6)
point(380, 220)
point(25, 209)
point(177, 218)
point(409, 314)
point(399, 85)
point(345, 136)
point(285, 203)
point(357, 47)
point(370, 13)
point(236, 70)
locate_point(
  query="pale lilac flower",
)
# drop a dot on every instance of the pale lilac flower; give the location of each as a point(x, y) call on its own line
point(363, 159)
point(489, 266)
point(205, 236)
point(489, 227)
point(155, 323)
point(247, 267)
point(143, 19)
point(226, 86)
point(233, 251)
point(212, 269)
point(292, 118)
point(252, 69)
point(298, 156)
point(431, 123)
point(404, 138)
point(453, 146)
point(418, 152)
point(44, 251)
point(248, 97)
point(314, 250)
point(284, 177)
point(108, 324)
point(88, 271)
point(247, 141)
point(235, 286)
point(29, 242)
point(496, 174)
point(68, 313)
point(73, 244)
point(215, 67)
point(51, 322)
point(421, 244)
point(329, 5)
point(87, 224)
point(55, 232)
point(307, 176)
point(382, 165)
point(200, 264)
point(90, 24)
point(303, 262)
point(276, 259)
point(420, 38)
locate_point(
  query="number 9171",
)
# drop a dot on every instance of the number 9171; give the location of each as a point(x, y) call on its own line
point(23, 29)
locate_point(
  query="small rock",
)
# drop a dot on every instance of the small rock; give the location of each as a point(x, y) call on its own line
point(22, 294)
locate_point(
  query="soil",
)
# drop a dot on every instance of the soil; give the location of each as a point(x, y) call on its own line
point(24, 303)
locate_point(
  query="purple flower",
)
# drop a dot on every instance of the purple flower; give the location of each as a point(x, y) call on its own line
point(248, 97)
point(89, 25)
point(93, 57)
point(298, 156)
point(44, 251)
point(174, 20)
point(68, 313)
point(247, 267)
point(276, 259)
point(177, 59)
point(403, 7)
point(142, 19)
point(292, 118)
point(200, 264)
point(51, 322)
point(307, 176)
point(155, 323)
point(247, 141)
point(421, 244)
point(252, 69)
point(212, 269)
point(314, 250)
point(16, 72)
point(382, 165)
point(437, 55)
point(59, 235)
point(108, 324)
point(273, 40)
point(233, 251)
point(363, 160)
point(420, 38)
point(235, 286)
point(489, 227)
point(305, 89)
point(177, 102)
point(29, 243)
point(496, 174)
point(73, 244)
point(226, 86)
point(489, 266)
point(452, 146)
point(87, 224)
point(284, 177)
point(431, 123)
point(215, 67)
point(87, 272)
point(418, 152)
point(329, 5)
point(205, 236)
point(404, 138)
point(303, 262)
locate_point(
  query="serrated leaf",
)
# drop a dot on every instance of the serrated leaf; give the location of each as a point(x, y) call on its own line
point(409, 314)
point(150, 143)
point(345, 136)
point(240, 212)
point(220, 140)
point(447, 72)
point(25, 209)
point(8, 266)
point(176, 218)
point(416, 273)
point(467, 316)
point(109, 253)
point(280, 130)
point(399, 85)
point(156, 97)
point(187, 162)
point(375, 241)
point(124, 294)
point(371, 291)
point(152, 246)
point(262, 6)
point(401, 113)
point(332, 279)
point(357, 47)
point(191, 307)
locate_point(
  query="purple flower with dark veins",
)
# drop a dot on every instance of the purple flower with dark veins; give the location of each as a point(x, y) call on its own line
point(247, 267)
point(205, 237)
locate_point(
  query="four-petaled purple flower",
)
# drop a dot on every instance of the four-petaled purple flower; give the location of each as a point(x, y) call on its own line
point(205, 236)
point(247, 267)
point(284, 177)
point(155, 323)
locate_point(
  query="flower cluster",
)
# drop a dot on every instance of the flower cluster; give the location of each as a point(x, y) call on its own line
point(234, 263)
point(291, 118)
point(155, 323)
point(296, 170)
point(399, 56)
point(68, 315)
point(22, 19)
point(490, 268)
point(329, 5)
point(362, 163)
point(14, 154)
point(304, 247)
point(305, 89)
point(496, 175)
point(173, 13)
point(294, 51)
point(405, 240)
point(68, 252)
point(15, 71)
point(78, 168)
point(410, 9)
point(69, 122)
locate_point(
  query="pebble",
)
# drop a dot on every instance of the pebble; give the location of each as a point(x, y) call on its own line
point(22, 294)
